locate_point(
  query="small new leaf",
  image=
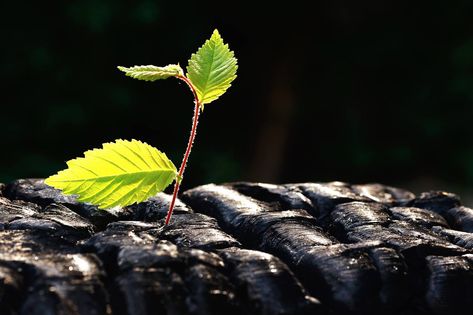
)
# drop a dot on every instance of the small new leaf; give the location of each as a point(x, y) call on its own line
point(121, 173)
point(152, 73)
point(212, 69)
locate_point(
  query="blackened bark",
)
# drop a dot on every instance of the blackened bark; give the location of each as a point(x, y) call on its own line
point(239, 248)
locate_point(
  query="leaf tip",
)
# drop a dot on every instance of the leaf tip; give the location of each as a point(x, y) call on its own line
point(48, 181)
point(52, 181)
point(216, 37)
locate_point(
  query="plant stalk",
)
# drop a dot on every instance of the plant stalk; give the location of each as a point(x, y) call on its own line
point(195, 122)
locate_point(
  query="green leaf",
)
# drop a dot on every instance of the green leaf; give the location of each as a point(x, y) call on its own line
point(121, 173)
point(212, 69)
point(152, 73)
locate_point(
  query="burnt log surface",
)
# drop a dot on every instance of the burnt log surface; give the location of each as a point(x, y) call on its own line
point(238, 248)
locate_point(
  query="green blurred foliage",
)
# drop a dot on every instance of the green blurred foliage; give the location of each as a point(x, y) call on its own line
point(378, 91)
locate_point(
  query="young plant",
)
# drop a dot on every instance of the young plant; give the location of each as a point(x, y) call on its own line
point(126, 172)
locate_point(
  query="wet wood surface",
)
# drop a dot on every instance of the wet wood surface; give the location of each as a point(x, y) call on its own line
point(238, 248)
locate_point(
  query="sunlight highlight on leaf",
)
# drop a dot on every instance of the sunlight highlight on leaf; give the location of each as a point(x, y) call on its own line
point(152, 73)
point(212, 69)
point(121, 173)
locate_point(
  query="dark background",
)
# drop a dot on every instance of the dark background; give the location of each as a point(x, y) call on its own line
point(359, 91)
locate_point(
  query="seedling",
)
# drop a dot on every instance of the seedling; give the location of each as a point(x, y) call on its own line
point(125, 172)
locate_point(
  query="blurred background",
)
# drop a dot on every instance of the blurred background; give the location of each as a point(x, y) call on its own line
point(358, 91)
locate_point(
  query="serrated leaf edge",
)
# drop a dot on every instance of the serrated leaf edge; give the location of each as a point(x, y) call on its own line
point(170, 172)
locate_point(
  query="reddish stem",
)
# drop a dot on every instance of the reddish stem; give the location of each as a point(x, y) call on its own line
point(195, 121)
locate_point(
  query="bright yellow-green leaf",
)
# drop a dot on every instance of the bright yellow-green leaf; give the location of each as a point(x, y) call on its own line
point(152, 73)
point(121, 173)
point(212, 69)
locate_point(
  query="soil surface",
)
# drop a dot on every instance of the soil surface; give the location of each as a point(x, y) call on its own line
point(240, 248)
